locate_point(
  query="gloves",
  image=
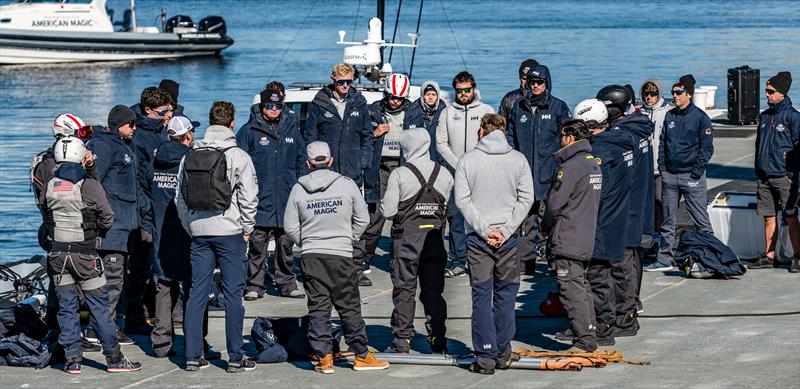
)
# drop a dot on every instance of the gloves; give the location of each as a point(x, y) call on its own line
point(147, 237)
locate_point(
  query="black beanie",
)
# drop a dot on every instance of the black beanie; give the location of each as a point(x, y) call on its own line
point(271, 95)
point(781, 82)
point(171, 87)
point(526, 65)
point(687, 82)
point(120, 115)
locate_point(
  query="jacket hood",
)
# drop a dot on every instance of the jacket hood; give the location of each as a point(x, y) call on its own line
point(415, 144)
point(786, 102)
point(169, 154)
point(435, 86)
point(494, 143)
point(636, 123)
point(660, 86)
point(565, 153)
point(475, 102)
point(217, 136)
point(618, 138)
point(318, 180)
point(145, 123)
point(71, 171)
point(541, 71)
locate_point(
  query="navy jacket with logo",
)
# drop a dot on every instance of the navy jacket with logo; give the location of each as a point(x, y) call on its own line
point(117, 167)
point(642, 202)
point(686, 143)
point(536, 133)
point(171, 243)
point(279, 158)
point(416, 116)
point(349, 138)
point(149, 134)
point(778, 133)
point(615, 152)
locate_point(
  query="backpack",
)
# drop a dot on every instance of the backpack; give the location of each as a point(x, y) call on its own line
point(205, 185)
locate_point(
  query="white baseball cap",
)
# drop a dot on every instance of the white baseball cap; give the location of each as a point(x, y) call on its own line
point(179, 125)
point(318, 151)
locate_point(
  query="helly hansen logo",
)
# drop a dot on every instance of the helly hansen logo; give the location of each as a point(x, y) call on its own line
point(325, 206)
point(473, 118)
point(487, 346)
point(264, 141)
point(328, 115)
point(289, 140)
point(354, 113)
point(523, 119)
point(546, 116)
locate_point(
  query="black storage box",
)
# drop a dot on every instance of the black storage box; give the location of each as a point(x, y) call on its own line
point(743, 97)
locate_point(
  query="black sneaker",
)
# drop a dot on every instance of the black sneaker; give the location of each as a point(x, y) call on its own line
point(606, 338)
point(764, 262)
point(139, 329)
point(503, 363)
point(122, 365)
point(124, 340)
point(476, 368)
point(196, 364)
point(363, 280)
point(629, 331)
point(366, 268)
point(211, 355)
point(438, 344)
point(89, 347)
point(795, 266)
point(565, 335)
point(455, 271)
point(241, 366)
point(72, 367)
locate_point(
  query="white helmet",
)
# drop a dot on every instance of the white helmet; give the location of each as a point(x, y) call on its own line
point(397, 85)
point(67, 124)
point(69, 149)
point(592, 111)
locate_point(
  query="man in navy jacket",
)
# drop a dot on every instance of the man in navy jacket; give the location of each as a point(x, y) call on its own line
point(684, 150)
point(534, 129)
point(273, 141)
point(778, 135)
point(425, 112)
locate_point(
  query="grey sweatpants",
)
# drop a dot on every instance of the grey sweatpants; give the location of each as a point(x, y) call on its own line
point(694, 192)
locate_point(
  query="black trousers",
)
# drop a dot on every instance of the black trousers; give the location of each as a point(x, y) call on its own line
point(137, 292)
point(626, 285)
point(364, 249)
point(598, 273)
point(418, 257)
point(114, 270)
point(331, 281)
point(576, 297)
point(282, 261)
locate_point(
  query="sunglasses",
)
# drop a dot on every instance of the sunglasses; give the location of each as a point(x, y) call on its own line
point(273, 106)
point(537, 81)
point(770, 91)
point(650, 94)
point(463, 90)
point(678, 92)
point(344, 81)
point(162, 112)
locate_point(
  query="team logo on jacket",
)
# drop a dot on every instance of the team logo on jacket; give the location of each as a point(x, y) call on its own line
point(546, 116)
point(456, 117)
point(475, 117)
point(289, 140)
point(780, 127)
point(628, 157)
point(328, 115)
point(671, 125)
point(354, 113)
point(523, 119)
point(325, 205)
point(264, 141)
point(127, 158)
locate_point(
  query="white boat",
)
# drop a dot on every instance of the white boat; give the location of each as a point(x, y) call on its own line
point(53, 31)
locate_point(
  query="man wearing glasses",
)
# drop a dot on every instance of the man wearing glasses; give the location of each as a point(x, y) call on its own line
point(776, 143)
point(456, 134)
point(685, 147)
point(273, 141)
point(534, 130)
point(655, 107)
point(339, 116)
point(512, 96)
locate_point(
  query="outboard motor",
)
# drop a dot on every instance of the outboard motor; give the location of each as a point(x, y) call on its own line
point(179, 22)
point(213, 24)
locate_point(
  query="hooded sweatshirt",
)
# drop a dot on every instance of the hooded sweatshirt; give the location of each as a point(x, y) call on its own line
point(493, 187)
point(403, 184)
point(240, 217)
point(325, 214)
point(656, 113)
point(457, 131)
point(420, 114)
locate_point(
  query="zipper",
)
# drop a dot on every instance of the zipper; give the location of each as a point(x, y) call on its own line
point(466, 120)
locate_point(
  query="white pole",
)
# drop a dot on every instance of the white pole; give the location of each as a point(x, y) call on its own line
point(133, 15)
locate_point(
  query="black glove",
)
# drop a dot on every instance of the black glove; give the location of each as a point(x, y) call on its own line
point(147, 237)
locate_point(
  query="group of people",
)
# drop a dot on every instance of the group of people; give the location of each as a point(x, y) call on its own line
point(141, 204)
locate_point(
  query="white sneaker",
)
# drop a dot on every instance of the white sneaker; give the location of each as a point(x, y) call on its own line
point(251, 295)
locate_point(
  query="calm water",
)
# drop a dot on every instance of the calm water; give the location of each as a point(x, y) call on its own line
point(586, 45)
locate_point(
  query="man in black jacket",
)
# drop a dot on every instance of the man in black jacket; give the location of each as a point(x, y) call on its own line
point(512, 96)
point(569, 221)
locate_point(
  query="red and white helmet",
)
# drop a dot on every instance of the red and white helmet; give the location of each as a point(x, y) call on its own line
point(397, 85)
point(67, 124)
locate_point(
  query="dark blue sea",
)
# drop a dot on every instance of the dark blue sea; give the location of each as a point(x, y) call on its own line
point(586, 44)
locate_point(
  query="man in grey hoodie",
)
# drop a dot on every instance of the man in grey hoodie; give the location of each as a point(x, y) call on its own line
point(456, 134)
point(494, 192)
point(656, 108)
point(415, 200)
point(219, 238)
point(325, 214)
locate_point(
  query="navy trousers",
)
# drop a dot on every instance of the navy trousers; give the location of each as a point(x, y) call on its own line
point(229, 253)
point(457, 241)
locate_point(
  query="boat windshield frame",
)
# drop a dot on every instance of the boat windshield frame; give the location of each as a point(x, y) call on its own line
point(52, 1)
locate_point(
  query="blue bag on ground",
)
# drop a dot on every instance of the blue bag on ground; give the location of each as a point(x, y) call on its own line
point(292, 333)
point(267, 346)
point(21, 350)
point(702, 253)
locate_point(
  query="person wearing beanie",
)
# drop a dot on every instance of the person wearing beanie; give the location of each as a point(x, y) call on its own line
point(684, 149)
point(425, 111)
point(117, 167)
point(777, 169)
point(534, 129)
point(272, 139)
point(513, 95)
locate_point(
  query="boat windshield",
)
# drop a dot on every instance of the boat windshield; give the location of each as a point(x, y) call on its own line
point(53, 1)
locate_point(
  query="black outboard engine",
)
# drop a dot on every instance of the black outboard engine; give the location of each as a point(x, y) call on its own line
point(213, 24)
point(178, 21)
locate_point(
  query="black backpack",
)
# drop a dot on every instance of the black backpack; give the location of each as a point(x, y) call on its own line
point(205, 180)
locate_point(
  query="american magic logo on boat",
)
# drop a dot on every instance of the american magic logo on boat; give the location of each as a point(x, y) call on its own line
point(62, 23)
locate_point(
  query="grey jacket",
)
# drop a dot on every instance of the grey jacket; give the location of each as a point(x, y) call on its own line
point(493, 187)
point(573, 202)
point(240, 217)
point(325, 214)
point(656, 113)
point(403, 184)
point(457, 131)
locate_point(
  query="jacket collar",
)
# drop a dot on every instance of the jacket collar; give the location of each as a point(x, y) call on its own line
point(566, 153)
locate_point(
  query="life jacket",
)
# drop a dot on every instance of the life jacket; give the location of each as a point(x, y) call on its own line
point(423, 212)
point(68, 219)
